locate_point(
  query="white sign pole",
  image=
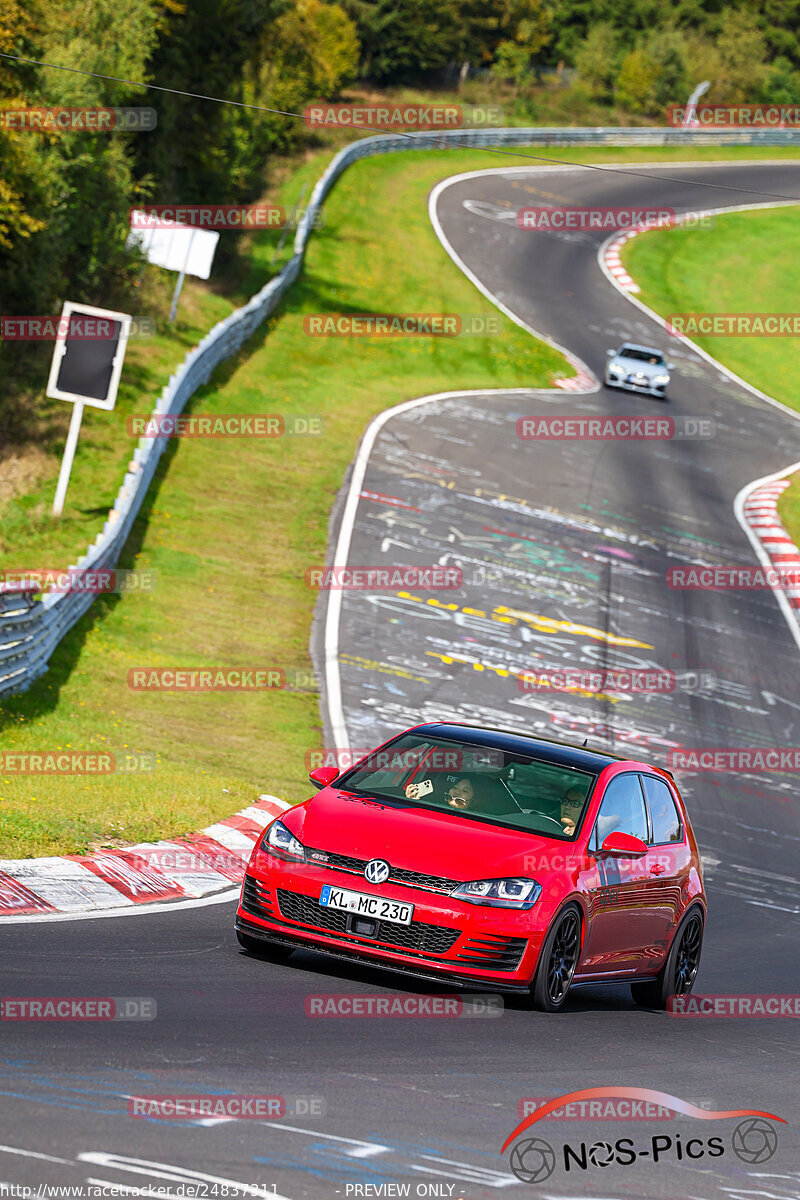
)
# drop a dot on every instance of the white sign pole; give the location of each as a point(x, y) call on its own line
point(67, 460)
point(173, 311)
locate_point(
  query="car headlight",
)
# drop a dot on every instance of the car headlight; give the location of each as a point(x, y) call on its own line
point(659, 379)
point(500, 893)
point(615, 366)
point(278, 840)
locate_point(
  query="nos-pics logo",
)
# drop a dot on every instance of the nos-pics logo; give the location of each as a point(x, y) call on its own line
point(754, 1139)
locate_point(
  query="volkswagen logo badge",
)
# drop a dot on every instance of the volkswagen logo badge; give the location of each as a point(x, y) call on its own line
point(377, 870)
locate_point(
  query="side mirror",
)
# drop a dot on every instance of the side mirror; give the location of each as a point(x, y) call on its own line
point(670, 366)
point(623, 845)
point(324, 775)
point(610, 353)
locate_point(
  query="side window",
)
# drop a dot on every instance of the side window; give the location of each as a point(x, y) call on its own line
point(622, 810)
point(664, 817)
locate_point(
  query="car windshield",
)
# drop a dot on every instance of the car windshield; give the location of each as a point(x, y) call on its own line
point(485, 783)
point(648, 356)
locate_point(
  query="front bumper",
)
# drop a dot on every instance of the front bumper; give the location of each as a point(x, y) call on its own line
point(448, 940)
point(644, 389)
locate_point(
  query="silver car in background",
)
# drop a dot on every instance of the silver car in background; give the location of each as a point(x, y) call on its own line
point(638, 369)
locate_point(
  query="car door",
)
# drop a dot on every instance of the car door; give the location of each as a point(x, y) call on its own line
point(668, 861)
point(622, 925)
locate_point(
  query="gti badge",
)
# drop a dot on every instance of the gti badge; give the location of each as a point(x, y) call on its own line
point(377, 870)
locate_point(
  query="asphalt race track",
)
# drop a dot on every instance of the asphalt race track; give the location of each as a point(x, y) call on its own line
point(569, 544)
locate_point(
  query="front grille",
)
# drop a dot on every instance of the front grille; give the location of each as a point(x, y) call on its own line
point(256, 898)
point(493, 953)
point(421, 938)
point(355, 866)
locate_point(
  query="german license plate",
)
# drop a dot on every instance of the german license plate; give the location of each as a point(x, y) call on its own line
point(367, 906)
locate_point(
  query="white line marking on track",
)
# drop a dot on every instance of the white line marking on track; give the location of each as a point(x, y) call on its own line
point(361, 1149)
point(159, 1170)
point(33, 1154)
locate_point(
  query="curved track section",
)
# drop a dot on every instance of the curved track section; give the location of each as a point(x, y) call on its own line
point(565, 551)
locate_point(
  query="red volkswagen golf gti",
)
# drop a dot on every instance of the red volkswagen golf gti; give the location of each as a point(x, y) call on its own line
point(487, 859)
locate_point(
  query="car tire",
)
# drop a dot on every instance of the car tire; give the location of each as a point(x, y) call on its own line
point(269, 950)
point(558, 959)
point(677, 976)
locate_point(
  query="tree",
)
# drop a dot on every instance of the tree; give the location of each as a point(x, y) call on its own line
point(742, 50)
point(598, 60)
point(317, 45)
point(532, 33)
point(66, 194)
point(637, 82)
point(667, 51)
point(202, 151)
point(402, 39)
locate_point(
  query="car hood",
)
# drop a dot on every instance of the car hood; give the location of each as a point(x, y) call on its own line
point(416, 839)
point(634, 367)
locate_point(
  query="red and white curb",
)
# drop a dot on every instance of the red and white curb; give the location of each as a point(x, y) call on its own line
point(611, 257)
point(187, 868)
point(582, 382)
point(611, 251)
point(760, 511)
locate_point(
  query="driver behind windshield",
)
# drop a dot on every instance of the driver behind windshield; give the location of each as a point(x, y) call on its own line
point(571, 805)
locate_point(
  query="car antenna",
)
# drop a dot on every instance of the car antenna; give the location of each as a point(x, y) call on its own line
point(585, 741)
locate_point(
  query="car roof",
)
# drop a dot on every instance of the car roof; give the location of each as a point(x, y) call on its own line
point(561, 753)
point(636, 346)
